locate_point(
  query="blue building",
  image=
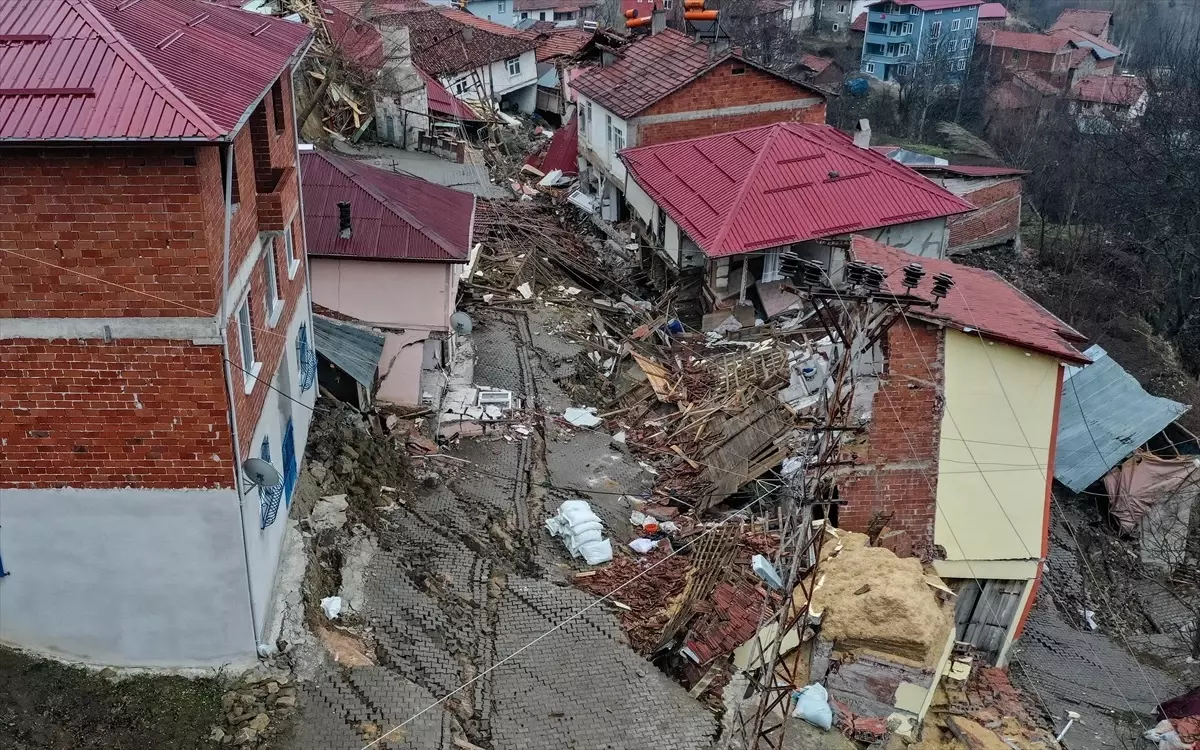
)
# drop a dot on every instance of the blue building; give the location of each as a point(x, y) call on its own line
point(904, 34)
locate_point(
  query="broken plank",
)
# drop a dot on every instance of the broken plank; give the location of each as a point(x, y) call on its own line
point(679, 452)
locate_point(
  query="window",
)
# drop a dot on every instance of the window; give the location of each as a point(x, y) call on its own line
point(618, 139)
point(277, 105)
point(668, 4)
point(460, 87)
point(955, 25)
point(737, 70)
point(968, 23)
point(564, 16)
point(869, 67)
point(906, 27)
point(524, 15)
point(268, 497)
point(608, 129)
point(905, 49)
point(937, 13)
point(236, 191)
point(290, 473)
point(306, 358)
point(250, 365)
point(935, 28)
point(501, 7)
point(843, 8)
point(836, 27)
point(272, 293)
point(1016, 54)
point(542, 16)
point(962, 64)
point(514, 66)
point(770, 271)
point(953, 46)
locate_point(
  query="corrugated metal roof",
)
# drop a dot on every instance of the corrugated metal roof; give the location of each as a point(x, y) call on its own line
point(355, 350)
point(155, 69)
point(980, 301)
point(441, 101)
point(561, 153)
point(992, 11)
point(780, 184)
point(393, 216)
point(935, 4)
point(1104, 416)
point(653, 67)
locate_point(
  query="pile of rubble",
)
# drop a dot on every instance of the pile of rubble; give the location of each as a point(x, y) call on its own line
point(257, 709)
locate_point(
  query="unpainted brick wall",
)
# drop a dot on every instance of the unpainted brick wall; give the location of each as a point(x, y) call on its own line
point(898, 465)
point(91, 414)
point(998, 215)
point(132, 216)
point(721, 88)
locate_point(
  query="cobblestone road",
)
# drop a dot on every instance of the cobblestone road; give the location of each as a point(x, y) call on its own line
point(468, 576)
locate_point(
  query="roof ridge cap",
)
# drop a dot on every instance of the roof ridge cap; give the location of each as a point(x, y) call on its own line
point(146, 70)
point(719, 240)
point(338, 162)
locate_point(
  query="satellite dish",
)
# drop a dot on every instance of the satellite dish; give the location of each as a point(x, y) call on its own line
point(461, 323)
point(261, 473)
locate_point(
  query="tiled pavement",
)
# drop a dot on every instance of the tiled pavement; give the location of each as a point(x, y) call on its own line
point(463, 582)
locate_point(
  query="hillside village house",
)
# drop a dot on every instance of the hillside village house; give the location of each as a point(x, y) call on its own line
point(1060, 57)
point(904, 33)
point(156, 327)
point(960, 444)
point(475, 59)
point(727, 206)
point(386, 251)
point(665, 87)
point(995, 192)
point(560, 12)
point(1096, 100)
point(1097, 23)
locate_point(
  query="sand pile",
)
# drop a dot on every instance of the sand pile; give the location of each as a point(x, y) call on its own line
point(870, 599)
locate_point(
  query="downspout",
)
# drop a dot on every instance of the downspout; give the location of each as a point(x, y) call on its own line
point(230, 391)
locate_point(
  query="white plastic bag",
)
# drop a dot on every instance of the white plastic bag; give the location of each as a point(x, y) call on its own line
point(332, 606)
point(643, 545)
point(812, 705)
point(595, 553)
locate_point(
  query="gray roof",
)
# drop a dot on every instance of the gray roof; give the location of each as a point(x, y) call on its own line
point(1104, 417)
point(353, 349)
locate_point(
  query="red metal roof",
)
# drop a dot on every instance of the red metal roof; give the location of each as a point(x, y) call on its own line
point(1093, 22)
point(653, 67)
point(441, 101)
point(440, 48)
point(562, 151)
point(155, 69)
point(359, 40)
point(980, 301)
point(393, 216)
point(1121, 90)
point(816, 63)
point(779, 184)
point(992, 12)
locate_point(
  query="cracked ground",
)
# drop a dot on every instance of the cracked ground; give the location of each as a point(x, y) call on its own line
point(469, 589)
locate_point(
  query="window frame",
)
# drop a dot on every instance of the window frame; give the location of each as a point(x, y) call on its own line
point(962, 64)
point(289, 249)
point(251, 366)
point(952, 45)
point(513, 64)
point(869, 67)
point(772, 269)
point(273, 294)
point(904, 49)
point(618, 140)
point(501, 6)
point(935, 29)
point(968, 23)
point(906, 28)
point(608, 129)
point(956, 25)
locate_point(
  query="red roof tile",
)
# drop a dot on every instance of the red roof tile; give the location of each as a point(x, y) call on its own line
point(816, 63)
point(562, 151)
point(736, 611)
point(860, 23)
point(562, 42)
point(393, 216)
point(1122, 90)
point(980, 301)
point(157, 69)
point(650, 69)
point(1091, 21)
point(439, 48)
point(559, 5)
point(1024, 41)
point(992, 12)
point(779, 184)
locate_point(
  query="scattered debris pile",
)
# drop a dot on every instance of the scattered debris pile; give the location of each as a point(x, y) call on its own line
point(256, 709)
point(983, 712)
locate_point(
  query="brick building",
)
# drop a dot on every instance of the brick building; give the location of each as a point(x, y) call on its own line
point(1060, 57)
point(995, 192)
point(959, 450)
point(154, 317)
point(668, 87)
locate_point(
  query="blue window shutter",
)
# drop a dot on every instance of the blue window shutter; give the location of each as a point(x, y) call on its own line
point(268, 497)
point(290, 470)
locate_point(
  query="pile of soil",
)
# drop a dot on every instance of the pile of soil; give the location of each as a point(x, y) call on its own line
point(45, 705)
point(870, 599)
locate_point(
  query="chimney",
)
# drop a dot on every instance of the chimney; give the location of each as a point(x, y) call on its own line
point(344, 220)
point(862, 133)
point(658, 20)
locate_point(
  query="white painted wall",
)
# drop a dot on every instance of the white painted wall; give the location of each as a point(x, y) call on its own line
point(263, 545)
point(495, 79)
point(926, 238)
point(594, 135)
point(126, 577)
